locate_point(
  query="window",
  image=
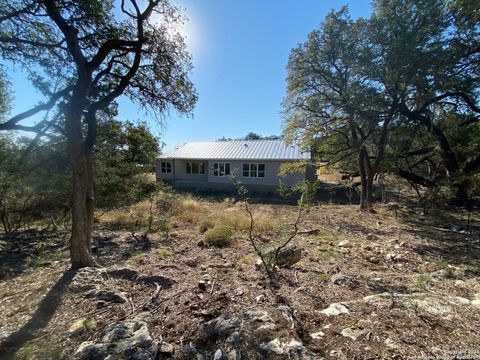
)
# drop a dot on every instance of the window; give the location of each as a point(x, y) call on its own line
point(221, 169)
point(253, 170)
point(195, 167)
point(166, 167)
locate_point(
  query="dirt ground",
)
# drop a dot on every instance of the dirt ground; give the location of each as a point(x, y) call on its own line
point(407, 286)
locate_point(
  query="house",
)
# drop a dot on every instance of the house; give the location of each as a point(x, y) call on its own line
point(206, 165)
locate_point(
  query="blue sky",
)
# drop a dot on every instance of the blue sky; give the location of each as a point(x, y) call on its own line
point(240, 50)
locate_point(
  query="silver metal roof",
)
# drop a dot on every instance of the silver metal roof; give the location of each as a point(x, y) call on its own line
point(238, 150)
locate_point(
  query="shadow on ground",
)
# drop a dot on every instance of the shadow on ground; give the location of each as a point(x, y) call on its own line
point(40, 317)
point(29, 248)
point(447, 240)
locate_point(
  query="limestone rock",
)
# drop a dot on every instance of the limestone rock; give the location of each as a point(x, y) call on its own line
point(233, 355)
point(78, 327)
point(218, 354)
point(110, 295)
point(89, 350)
point(128, 339)
point(279, 347)
point(317, 335)
point(342, 280)
point(335, 309)
point(289, 257)
point(353, 334)
point(394, 257)
point(274, 346)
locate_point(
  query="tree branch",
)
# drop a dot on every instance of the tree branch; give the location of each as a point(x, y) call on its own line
point(12, 123)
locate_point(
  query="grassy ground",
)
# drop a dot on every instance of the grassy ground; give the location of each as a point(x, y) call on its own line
point(419, 264)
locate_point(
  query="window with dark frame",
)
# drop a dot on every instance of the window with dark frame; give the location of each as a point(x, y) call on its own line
point(166, 167)
point(221, 169)
point(253, 170)
point(195, 167)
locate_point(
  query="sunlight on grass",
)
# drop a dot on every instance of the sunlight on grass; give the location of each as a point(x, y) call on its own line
point(329, 256)
point(328, 235)
point(162, 253)
point(6, 293)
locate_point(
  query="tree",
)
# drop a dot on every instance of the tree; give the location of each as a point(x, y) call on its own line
point(82, 56)
point(439, 82)
point(332, 107)
point(355, 85)
point(5, 99)
point(125, 155)
point(34, 181)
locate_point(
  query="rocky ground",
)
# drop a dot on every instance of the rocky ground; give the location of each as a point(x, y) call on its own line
point(367, 286)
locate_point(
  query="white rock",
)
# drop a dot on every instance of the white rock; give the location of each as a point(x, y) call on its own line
point(274, 346)
point(457, 300)
point(351, 333)
point(335, 309)
point(391, 344)
point(294, 345)
point(344, 243)
point(77, 328)
point(317, 335)
point(278, 347)
point(218, 354)
point(383, 299)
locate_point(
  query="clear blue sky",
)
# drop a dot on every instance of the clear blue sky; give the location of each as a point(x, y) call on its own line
point(240, 50)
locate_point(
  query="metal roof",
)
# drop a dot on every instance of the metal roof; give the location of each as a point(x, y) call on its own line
point(238, 150)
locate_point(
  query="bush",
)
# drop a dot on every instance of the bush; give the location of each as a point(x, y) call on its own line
point(205, 225)
point(220, 235)
point(190, 209)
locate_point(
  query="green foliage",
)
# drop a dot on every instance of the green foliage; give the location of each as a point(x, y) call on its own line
point(205, 225)
point(396, 92)
point(5, 97)
point(6, 292)
point(219, 236)
point(324, 278)
point(308, 190)
point(89, 324)
point(162, 253)
point(124, 156)
point(34, 182)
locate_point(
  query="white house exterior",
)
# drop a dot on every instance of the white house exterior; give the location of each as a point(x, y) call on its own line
point(204, 165)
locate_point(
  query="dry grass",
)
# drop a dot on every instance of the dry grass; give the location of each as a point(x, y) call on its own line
point(227, 213)
point(220, 236)
point(136, 215)
point(237, 218)
point(330, 176)
point(193, 210)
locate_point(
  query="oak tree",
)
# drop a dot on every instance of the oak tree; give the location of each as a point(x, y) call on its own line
point(82, 55)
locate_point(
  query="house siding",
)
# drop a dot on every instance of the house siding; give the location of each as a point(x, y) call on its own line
point(270, 182)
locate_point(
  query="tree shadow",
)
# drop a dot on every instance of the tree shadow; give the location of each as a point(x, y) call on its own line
point(455, 247)
point(40, 318)
point(26, 248)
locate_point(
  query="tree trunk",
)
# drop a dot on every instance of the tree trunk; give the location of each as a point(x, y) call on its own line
point(80, 158)
point(366, 178)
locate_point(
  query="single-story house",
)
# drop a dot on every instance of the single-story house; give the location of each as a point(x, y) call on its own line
point(207, 164)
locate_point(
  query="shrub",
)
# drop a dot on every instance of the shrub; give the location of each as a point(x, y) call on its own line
point(220, 235)
point(163, 253)
point(205, 225)
point(190, 209)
